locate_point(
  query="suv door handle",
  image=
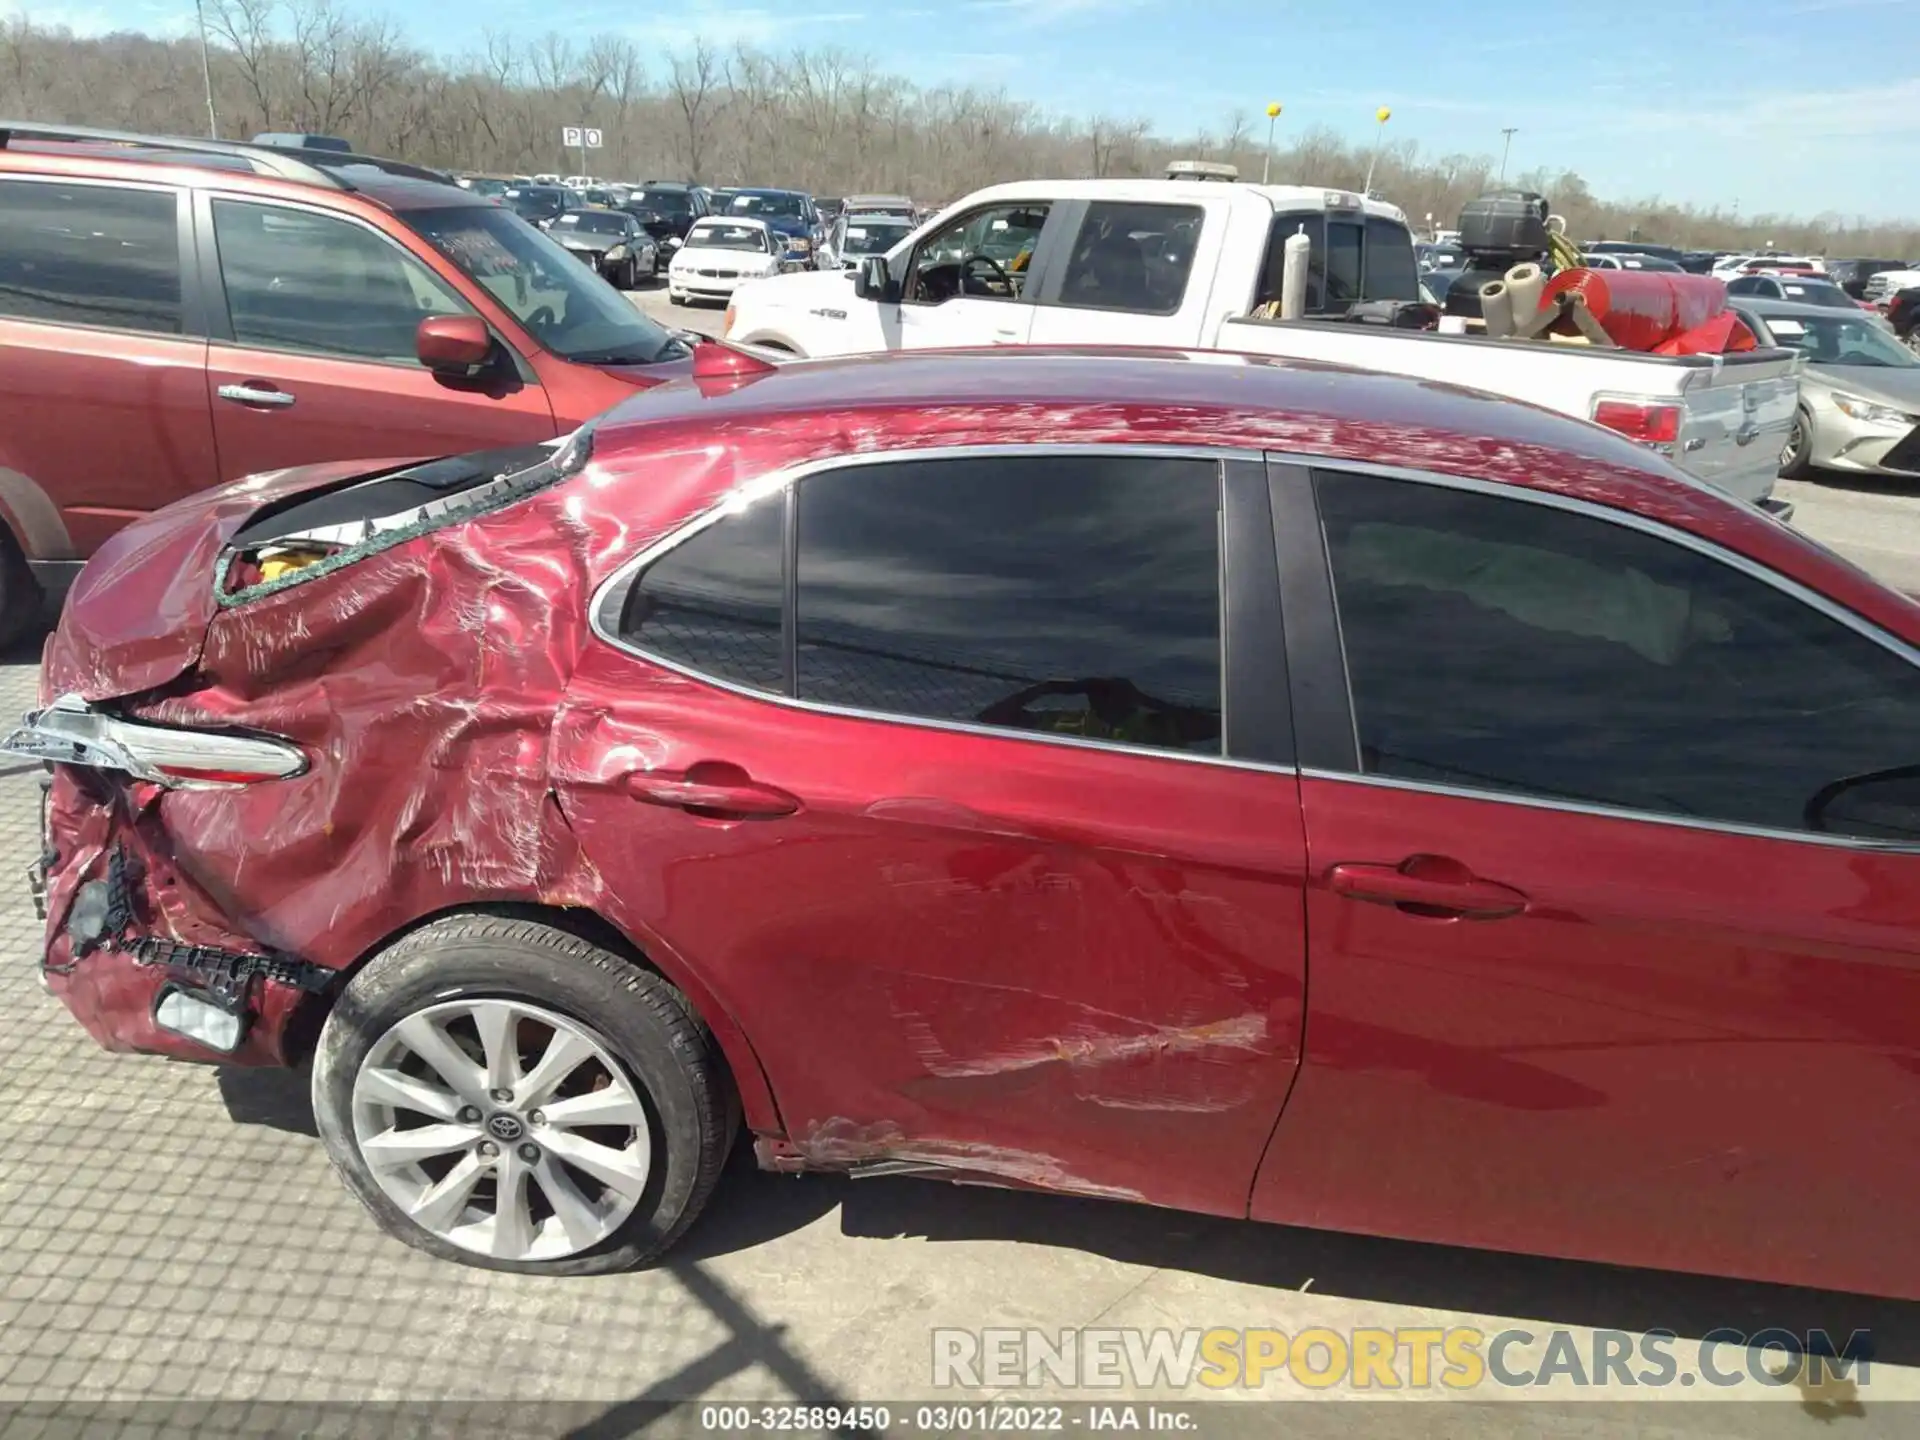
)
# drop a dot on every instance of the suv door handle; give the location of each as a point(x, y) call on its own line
point(1454, 891)
point(715, 789)
point(256, 392)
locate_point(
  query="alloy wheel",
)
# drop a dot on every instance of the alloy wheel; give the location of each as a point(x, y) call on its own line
point(503, 1128)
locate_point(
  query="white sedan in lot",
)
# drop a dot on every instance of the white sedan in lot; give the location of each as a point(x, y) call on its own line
point(719, 254)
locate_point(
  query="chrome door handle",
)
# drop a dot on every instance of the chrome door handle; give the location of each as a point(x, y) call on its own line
point(250, 394)
point(1746, 434)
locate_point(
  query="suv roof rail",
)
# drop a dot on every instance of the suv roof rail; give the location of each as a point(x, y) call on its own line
point(307, 166)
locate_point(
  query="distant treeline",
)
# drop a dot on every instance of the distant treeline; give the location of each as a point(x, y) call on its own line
point(821, 120)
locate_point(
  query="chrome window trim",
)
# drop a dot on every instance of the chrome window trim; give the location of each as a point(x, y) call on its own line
point(611, 594)
point(1609, 812)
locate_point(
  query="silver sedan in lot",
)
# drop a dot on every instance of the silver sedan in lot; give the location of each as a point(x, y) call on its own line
point(1859, 393)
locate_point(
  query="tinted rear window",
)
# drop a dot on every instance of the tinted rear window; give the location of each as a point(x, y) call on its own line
point(90, 255)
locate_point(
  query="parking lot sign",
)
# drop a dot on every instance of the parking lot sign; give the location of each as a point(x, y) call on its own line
point(591, 139)
point(572, 136)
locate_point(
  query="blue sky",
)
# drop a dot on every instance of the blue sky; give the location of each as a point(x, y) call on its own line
point(1789, 106)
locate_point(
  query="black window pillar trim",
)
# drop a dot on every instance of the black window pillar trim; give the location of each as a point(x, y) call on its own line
point(790, 590)
point(1255, 697)
point(214, 312)
point(1047, 271)
point(1324, 735)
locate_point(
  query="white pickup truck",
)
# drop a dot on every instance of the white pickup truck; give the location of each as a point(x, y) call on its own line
point(1184, 264)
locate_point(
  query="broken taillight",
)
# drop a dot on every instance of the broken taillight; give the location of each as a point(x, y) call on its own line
point(72, 732)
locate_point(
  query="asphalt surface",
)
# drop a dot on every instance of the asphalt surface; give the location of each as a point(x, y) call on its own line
point(175, 1254)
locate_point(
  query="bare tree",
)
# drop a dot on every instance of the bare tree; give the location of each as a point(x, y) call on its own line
point(822, 120)
point(694, 84)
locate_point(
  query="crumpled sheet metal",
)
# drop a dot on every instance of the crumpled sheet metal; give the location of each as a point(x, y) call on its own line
point(424, 682)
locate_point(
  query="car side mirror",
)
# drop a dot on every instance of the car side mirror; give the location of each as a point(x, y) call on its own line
point(1883, 805)
point(453, 344)
point(874, 281)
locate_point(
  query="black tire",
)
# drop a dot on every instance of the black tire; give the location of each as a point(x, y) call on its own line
point(647, 1024)
point(21, 601)
point(1797, 458)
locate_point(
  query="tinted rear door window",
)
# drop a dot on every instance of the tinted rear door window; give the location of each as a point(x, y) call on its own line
point(1132, 257)
point(1073, 596)
point(1505, 645)
point(92, 255)
point(713, 602)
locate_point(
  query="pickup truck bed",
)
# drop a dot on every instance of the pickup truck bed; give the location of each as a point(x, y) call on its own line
point(1735, 410)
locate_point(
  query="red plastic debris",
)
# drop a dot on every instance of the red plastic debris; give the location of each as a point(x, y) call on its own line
point(1724, 334)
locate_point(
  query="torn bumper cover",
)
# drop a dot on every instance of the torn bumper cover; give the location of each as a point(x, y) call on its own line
point(105, 940)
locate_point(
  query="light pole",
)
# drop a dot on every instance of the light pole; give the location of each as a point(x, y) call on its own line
point(206, 69)
point(1382, 115)
point(1505, 149)
point(1266, 161)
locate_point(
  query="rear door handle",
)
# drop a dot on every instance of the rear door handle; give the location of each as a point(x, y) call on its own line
point(256, 392)
point(1430, 884)
point(715, 789)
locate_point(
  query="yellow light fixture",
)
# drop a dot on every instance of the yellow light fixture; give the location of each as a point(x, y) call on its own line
point(1273, 110)
point(1383, 114)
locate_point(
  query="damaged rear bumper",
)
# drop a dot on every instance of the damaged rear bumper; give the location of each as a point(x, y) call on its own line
point(141, 956)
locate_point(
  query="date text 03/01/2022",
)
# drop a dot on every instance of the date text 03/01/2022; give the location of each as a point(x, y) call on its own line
point(943, 1419)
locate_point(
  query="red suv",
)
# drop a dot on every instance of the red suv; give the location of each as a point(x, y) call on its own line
point(174, 313)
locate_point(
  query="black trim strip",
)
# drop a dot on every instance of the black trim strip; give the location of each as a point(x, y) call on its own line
point(1324, 736)
point(1258, 703)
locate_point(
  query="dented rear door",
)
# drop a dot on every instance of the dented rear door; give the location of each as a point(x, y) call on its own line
point(959, 936)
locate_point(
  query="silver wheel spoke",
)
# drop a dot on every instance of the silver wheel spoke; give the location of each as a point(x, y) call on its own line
point(565, 1053)
point(407, 1147)
point(624, 1173)
point(455, 1160)
point(498, 1024)
point(574, 1211)
point(404, 1092)
point(448, 1060)
point(441, 1203)
point(612, 1106)
point(512, 1216)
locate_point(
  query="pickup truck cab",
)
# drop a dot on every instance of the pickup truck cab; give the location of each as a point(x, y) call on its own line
point(1188, 264)
point(1125, 262)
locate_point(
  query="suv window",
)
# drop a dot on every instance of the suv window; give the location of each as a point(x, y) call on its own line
point(1063, 595)
point(1132, 257)
point(300, 281)
point(713, 603)
point(984, 254)
point(90, 255)
point(1507, 645)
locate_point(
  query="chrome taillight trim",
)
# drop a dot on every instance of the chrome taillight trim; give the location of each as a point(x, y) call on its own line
point(72, 732)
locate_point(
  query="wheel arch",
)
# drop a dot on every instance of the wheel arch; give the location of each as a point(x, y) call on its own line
point(758, 1108)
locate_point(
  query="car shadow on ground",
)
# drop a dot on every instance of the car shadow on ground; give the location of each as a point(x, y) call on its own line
point(1898, 486)
point(752, 1207)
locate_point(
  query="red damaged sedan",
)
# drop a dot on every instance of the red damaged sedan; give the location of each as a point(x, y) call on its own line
point(1265, 790)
